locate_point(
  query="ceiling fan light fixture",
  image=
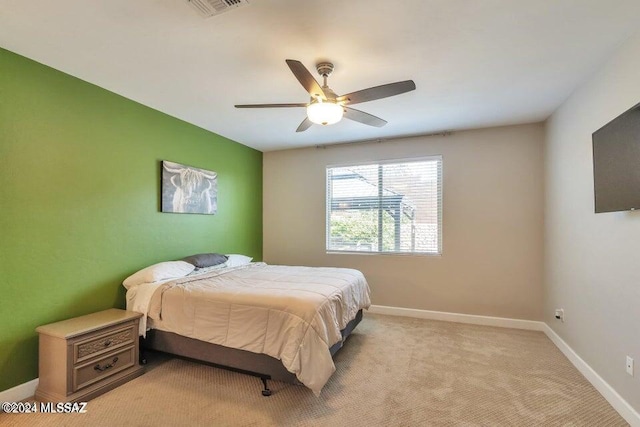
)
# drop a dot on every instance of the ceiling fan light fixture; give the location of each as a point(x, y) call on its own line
point(325, 113)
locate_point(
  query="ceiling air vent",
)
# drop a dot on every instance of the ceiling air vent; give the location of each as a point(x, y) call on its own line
point(208, 8)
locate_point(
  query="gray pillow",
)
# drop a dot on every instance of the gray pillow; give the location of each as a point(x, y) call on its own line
point(205, 260)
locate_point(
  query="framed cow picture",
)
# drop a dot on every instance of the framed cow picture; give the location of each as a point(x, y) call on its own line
point(187, 189)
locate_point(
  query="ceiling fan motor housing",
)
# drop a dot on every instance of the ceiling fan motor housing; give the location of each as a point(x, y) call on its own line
point(329, 94)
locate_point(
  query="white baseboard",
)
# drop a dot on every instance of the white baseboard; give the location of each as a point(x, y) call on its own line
point(502, 322)
point(619, 404)
point(19, 392)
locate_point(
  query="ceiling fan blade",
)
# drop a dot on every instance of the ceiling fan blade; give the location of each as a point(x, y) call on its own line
point(306, 124)
point(306, 79)
point(362, 117)
point(299, 104)
point(377, 92)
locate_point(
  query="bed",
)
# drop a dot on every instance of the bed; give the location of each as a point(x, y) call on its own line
point(276, 322)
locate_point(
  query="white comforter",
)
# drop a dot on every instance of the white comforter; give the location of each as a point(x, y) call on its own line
point(294, 314)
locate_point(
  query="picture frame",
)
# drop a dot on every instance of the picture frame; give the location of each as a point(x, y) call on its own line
point(188, 189)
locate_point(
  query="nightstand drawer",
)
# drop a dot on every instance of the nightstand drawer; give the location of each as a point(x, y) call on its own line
point(100, 344)
point(96, 370)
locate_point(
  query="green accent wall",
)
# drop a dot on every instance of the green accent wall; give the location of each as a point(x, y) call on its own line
point(80, 201)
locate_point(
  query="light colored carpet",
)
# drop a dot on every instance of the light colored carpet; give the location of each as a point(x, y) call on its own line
point(392, 371)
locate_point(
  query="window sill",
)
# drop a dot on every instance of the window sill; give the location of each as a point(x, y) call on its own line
point(402, 254)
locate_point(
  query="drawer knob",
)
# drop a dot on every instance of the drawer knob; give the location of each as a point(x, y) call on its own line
point(107, 366)
point(107, 343)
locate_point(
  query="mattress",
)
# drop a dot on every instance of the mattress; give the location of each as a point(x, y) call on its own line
point(294, 314)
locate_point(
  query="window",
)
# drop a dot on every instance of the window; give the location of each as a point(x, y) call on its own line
point(390, 207)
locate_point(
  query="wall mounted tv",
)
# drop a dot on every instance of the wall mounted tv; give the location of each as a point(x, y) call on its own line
point(616, 163)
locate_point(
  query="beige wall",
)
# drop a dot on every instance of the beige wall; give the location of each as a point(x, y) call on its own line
point(492, 221)
point(592, 261)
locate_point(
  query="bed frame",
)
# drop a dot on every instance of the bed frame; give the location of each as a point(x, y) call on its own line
point(259, 365)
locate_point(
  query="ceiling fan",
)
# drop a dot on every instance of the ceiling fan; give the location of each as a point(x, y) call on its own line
point(327, 108)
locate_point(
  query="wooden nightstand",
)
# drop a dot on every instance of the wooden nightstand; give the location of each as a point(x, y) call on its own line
point(84, 357)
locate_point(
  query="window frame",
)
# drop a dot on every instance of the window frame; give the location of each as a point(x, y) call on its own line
point(440, 172)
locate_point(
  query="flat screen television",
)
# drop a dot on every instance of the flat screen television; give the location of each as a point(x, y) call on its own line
point(616, 163)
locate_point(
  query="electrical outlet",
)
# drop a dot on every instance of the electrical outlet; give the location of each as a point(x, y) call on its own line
point(630, 365)
point(560, 314)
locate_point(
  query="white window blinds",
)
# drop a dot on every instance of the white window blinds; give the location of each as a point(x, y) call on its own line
point(390, 207)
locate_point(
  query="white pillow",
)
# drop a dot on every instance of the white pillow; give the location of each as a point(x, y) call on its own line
point(161, 271)
point(236, 260)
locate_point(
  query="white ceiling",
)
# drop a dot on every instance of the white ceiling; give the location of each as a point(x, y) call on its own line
point(476, 63)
